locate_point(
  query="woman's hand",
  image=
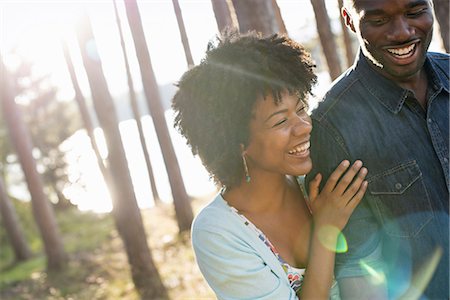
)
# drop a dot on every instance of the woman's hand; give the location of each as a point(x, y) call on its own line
point(340, 195)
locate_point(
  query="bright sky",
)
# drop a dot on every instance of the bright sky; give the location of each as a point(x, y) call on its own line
point(36, 27)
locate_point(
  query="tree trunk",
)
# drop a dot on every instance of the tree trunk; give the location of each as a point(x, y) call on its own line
point(42, 210)
point(184, 38)
point(136, 113)
point(12, 226)
point(326, 38)
point(183, 209)
point(279, 18)
point(82, 106)
point(347, 40)
point(125, 209)
point(256, 15)
point(441, 10)
point(222, 13)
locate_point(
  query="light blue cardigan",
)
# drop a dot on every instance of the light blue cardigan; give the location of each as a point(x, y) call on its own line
point(234, 261)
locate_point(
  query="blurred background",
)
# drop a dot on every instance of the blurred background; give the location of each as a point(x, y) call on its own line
point(97, 190)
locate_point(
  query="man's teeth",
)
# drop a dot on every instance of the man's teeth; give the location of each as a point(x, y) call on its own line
point(301, 148)
point(402, 51)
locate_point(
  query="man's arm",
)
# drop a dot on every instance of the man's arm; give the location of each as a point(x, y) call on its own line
point(359, 269)
point(362, 287)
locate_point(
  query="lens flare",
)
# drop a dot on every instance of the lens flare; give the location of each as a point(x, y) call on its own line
point(376, 277)
point(422, 276)
point(326, 237)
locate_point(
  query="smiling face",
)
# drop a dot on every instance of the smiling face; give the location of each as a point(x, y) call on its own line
point(394, 34)
point(279, 137)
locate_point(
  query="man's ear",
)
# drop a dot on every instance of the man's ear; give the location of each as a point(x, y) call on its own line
point(347, 19)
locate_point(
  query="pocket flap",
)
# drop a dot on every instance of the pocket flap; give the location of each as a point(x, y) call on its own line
point(395, 180)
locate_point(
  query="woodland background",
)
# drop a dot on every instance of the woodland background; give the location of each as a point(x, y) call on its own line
point(118, 228)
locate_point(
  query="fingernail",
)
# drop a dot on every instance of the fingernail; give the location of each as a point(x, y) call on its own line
point(345, 163)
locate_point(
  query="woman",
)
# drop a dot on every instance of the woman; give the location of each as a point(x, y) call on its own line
point(243, 111)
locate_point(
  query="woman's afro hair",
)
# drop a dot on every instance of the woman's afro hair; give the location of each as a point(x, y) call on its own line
point(215, 99)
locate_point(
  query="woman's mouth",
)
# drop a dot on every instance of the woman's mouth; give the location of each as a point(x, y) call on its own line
point(300, 150)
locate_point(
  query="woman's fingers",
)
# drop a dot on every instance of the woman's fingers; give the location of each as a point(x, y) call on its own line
point(314, 187)
point(356, 184)
point(354, 201)
point(347, 179)
point(334, 177)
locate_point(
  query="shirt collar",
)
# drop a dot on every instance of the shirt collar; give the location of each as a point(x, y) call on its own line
point(436, 76)
point(386, 91)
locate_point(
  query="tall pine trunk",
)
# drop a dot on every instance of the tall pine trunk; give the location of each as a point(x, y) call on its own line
point(125, 209)
point(12, 226)
point(279, 18)
point(222, 13)
point(326, 38)
point(441, 10)
point(183, 209)
point(183, 35)
point(256, 15)
point(136, 112)
point(82, 106)
point(42, 210)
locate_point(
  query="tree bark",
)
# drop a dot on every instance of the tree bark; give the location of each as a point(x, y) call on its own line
point(279, 18)
point(347, 40)
point(82, 106)
point(183, 35)
point(326, 38)
point(12, 226)
point(222, 14)
point(136, 112)
point(256, 15)
point(42, 210)
point(441, 10)
point(183, 209)
point(125, 209)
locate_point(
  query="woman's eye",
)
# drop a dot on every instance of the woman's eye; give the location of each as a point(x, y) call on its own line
point(279, 123)
point(301, 110)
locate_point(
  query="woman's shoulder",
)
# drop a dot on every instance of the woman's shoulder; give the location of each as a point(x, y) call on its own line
point(216, 215)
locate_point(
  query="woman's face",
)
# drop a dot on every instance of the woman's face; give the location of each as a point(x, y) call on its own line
point(279, 137)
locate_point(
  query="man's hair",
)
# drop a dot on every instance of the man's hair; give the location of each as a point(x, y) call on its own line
point(215, 100)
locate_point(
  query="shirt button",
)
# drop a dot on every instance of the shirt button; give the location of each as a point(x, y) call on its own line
point(445, 159)
point(398, 185)
point(429, 121)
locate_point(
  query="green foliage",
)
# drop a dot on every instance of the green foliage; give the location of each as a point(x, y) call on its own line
point(81, 232)
point(98, 267)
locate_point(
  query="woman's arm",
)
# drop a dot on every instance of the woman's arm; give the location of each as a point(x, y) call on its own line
point(331, 209)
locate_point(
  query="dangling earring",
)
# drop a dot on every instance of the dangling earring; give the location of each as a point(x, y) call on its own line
point(247, 175)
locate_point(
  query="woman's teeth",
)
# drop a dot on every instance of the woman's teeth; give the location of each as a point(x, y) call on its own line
point(300, 149)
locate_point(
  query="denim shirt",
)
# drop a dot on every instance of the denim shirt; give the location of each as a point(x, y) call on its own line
point(401, 227)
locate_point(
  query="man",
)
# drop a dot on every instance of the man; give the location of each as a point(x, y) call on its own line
point(391, 110)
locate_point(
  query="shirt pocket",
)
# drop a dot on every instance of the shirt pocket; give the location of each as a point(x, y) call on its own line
point(401, 200)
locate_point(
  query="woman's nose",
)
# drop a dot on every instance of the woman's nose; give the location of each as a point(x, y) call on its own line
point(302, 126)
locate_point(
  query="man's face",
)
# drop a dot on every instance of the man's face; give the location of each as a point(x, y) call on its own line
point(393, 34)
